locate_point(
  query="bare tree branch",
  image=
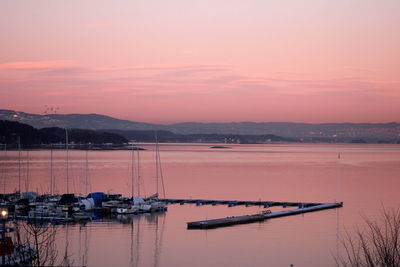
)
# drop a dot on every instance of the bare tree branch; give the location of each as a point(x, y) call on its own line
point(377, 244)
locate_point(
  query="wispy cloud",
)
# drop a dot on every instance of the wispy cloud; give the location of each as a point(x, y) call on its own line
point(193, 70)
point(360, 69)
point(60, 81)
point(190, 79)
point(64, 71)
point(97, 25)
point(35, 65)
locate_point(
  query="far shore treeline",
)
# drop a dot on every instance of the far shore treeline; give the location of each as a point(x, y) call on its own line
point(30, 137)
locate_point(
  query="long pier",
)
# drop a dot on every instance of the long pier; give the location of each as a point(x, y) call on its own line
point(233, 220)
point(231, 203)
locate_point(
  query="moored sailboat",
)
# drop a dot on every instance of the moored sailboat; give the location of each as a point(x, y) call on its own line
point(152, 200)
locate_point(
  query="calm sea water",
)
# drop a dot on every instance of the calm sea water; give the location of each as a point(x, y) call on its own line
point(366, 177)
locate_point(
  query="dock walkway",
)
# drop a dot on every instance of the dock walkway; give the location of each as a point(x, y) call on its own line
point(233, 220)
point(231, 203)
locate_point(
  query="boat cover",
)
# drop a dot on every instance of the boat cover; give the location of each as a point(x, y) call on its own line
point(97, 198)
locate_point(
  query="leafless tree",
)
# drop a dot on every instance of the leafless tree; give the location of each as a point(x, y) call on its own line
point(41, 237)
point(377, 243)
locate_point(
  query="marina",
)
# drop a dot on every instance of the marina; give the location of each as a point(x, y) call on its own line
point(68, 208)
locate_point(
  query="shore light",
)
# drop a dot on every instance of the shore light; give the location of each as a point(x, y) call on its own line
point(4, 217)
point(4, 214)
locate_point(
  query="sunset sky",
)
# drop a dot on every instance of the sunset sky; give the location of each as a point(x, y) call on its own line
point(203, 60)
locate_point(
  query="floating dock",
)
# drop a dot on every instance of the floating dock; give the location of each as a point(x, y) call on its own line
point(233, 203)
point(233, 220)
point(43, 218)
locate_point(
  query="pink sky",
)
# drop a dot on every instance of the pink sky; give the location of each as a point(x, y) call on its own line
point(210, 60)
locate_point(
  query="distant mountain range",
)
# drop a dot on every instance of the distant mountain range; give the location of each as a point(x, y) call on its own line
point(347, 132)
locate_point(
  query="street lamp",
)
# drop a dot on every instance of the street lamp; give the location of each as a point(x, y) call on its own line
point(4, 217)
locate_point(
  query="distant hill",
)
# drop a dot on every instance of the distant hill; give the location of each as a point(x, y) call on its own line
point(324, 132)
point(11, 131)
point(74, 121)
point(343, 131)
point(167, 136)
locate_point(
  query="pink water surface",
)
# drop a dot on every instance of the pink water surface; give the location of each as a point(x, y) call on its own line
point(365, 178)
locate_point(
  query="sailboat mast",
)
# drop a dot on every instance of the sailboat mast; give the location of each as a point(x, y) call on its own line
point(337, 197)
point(19, 164)
point(4, 177)
point(156, 163)
point(66, 147)
point(27, 172)
point(159, 168)
point(87, 172)
point(138, 173)
point(133, 170)
point(51, 170)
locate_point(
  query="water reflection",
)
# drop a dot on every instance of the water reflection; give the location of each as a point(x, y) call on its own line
point(153, 222)
point(158, 242)
point(145, 233)
point(66, 257)
point(84, 240)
